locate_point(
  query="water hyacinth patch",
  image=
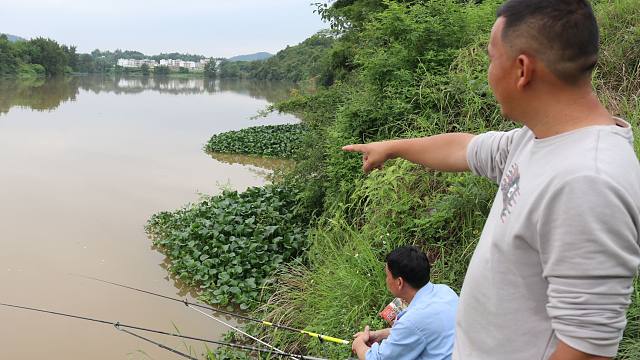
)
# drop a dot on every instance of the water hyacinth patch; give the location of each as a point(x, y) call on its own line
point(227, 245)
point(270, 140)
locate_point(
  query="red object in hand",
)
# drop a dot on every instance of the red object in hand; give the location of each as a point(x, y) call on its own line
point(391, 311)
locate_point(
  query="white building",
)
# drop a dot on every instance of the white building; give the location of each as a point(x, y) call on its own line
point(174, 64)
point(191, 65)
point(133, 63)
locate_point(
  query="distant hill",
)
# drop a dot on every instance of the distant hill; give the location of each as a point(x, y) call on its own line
point(295, 63)
point(251, 57)
point(14, 38)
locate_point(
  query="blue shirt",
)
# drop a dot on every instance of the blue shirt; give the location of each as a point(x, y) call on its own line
point(425, 330)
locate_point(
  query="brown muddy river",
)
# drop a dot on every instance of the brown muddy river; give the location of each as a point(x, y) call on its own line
point(85, 162)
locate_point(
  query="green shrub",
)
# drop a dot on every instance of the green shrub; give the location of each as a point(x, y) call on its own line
point(404, 86)
point(270, 140)
point(344, 277)
point(228, 245)
point(31, 71)
point(407, 69)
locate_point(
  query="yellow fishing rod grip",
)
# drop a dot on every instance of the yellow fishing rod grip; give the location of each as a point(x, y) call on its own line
point(315, 335)
point(325, 338)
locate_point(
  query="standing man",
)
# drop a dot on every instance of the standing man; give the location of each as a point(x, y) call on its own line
point(425, 330)
point(551, 277)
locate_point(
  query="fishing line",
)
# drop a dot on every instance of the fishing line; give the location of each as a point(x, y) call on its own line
point(155, 343)
point(243, 317)
point(121, 327)
point(236, 329)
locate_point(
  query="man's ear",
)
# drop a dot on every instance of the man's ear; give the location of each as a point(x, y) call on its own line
point(525, 65)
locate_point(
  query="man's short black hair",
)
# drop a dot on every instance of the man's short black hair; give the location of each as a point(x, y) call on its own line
point(411, 264)
point(562, 33)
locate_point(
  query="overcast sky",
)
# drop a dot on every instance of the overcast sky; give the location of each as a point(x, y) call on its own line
point(207, 27)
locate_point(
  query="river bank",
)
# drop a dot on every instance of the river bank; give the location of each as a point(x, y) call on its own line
point(411, 70)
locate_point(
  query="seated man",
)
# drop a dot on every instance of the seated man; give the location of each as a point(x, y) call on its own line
point(425, 330)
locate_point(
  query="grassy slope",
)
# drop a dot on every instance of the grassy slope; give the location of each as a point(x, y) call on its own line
point(342, 287)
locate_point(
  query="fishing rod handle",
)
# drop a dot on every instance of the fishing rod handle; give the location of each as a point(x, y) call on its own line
point(325, 337)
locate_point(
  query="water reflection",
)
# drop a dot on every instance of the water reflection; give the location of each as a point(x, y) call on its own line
point(182, 290)
point(50, 94)
point(271, 91)
point(261, 163)
point(37, 94)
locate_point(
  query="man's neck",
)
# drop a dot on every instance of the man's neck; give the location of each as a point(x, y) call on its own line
point(565, 111)
point(409, 295)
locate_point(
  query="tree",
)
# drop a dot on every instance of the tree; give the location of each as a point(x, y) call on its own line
point(72, 56)
point(344, 15)
point(86, 64)
point(295, 63)
point(102, 64)
point(229, 69)
point(161, 70)
point(47, 53)
point(177, 56)
point(8, 57)
point(145, 69)
point(210, 69)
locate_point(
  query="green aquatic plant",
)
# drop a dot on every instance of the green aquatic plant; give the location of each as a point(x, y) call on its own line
point(228, 245)
point(413, 69)
point(282, 141)
point(399, 91)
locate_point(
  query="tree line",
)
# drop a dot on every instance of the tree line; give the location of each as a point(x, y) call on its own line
point(39, 56)
point(46, 57)
point(313, 58)
point(294, 63)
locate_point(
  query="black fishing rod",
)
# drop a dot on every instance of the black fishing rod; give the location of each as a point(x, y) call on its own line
point(162, 346)
point(123, 327)
point(243, 317)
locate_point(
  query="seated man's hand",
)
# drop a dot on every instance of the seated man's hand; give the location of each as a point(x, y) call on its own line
point(374, 336)
point(361, 342)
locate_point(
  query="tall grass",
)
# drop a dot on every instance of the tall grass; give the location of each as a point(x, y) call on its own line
point(341, 286)
point(420, 69)
point(618, 83)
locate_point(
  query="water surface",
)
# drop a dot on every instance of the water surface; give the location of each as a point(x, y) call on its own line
point(85, 162)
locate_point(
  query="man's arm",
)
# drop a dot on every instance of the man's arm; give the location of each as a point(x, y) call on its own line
point(375, 336)
point(404, 342)
point(359, 345)
point(587, 241)
point(566, 352)
point(445, 152)
point(360, 348)
point(380, 335)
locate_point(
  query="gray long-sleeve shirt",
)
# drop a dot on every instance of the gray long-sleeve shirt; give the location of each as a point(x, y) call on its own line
point(560, 248)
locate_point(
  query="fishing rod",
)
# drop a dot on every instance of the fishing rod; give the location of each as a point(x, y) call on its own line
point(162, 346)
point(122, 327)
point(243, 317)
point(236, 329)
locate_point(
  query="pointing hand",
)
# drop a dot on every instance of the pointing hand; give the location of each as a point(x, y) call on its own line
point(373, 154)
